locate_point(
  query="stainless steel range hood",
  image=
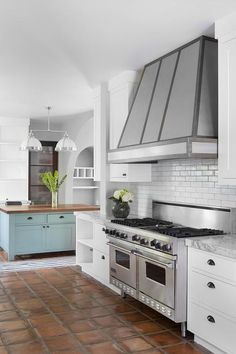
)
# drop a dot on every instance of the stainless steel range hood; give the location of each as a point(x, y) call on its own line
point(175, 110)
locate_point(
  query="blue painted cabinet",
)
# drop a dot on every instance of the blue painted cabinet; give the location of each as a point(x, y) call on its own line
point(37, 233)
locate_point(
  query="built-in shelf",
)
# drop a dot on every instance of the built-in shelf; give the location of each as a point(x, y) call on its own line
point(87, 242)
point(13, 179)
point(92, 178)
point(85, 187)
point(83, 172)
point(10, 143)
point(13, 161)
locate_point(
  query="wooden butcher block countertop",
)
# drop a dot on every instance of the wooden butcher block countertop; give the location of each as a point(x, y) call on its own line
point(17, 209)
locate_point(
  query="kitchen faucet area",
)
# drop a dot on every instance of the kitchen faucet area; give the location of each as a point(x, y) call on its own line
point(117, 177)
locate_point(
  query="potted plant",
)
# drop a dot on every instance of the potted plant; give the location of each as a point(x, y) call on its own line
point(121, 199)
point(52, 182)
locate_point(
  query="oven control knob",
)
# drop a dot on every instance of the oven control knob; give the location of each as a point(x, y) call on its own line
point(153, 243)
point(135, 238)
point(122, 235)
point(105, 230)
point(143, 241)
point(166, 247)
point(117, 234)
point(158, 245)
point(112, 232)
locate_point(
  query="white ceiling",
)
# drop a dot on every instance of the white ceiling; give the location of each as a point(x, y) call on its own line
point(53, 52)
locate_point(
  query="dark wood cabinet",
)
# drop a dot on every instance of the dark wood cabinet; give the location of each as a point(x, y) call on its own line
point(39, 162)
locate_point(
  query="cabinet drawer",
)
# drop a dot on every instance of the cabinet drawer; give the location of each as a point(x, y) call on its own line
point(211, 292)
point(101, 265)
point(61, 218)
point(220, 333)
point(29, 219)
point(218, 266)
point(100, 240)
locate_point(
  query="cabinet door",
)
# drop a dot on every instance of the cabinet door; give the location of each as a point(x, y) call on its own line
point(60, 237)
point(227, 112)
point(29, 239)
point(119, 172)
point(101, 265)
point(99, 238)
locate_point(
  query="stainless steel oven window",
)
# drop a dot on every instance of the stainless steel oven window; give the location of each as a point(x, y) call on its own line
point(156, 273)
point(123, 259)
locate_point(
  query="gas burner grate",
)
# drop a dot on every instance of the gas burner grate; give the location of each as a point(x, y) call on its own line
point(181, 232)
point(135, 222)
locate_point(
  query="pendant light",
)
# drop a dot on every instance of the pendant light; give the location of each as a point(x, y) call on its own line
point(33, 144)
point(65, 144)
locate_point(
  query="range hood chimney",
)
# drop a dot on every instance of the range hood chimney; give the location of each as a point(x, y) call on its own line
point(175, 110)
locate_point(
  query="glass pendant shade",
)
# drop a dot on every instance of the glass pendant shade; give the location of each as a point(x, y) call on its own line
point(31, 143)
point(65, 144)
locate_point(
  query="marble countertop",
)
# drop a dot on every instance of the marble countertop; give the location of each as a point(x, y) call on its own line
point(224, 245)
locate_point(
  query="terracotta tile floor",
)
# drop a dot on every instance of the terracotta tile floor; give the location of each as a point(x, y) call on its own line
point(60, 310)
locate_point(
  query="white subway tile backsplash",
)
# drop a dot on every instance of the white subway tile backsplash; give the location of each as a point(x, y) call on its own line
point(188, 181)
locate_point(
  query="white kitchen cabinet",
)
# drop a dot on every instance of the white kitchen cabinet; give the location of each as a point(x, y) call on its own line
point(122, 89)
point(226, 35)
point(130, 172)
point(211, 300)
point(92, 251)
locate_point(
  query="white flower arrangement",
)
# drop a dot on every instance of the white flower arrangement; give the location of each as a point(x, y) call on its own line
point(123, 196)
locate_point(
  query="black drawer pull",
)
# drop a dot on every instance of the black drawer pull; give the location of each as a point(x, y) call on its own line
point(211, 319)
point(103, 257)
point(61, 217)
point(44, 226)
point(124, 174)
point(29, 218)
point(211, 262)
point(48, 226)
point(211, 285)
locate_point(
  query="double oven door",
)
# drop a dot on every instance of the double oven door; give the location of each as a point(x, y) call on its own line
point(123, 265)
point(148, 273)
point(156, 278)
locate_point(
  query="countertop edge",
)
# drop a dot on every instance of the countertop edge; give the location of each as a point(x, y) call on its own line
point(47, 209)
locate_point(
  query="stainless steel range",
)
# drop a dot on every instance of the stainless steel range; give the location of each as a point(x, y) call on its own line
point(148, 257)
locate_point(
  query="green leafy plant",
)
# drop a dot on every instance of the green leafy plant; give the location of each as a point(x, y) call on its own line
point(52, 181)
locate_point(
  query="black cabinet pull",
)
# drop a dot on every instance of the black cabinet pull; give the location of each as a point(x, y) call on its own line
point(29, 218)
point(103, 257)
point(61, 217)
point(124, 174)
point(211, 319)
point(44, 226)
point(211, 285)
point(211, 262)
point(48, 226)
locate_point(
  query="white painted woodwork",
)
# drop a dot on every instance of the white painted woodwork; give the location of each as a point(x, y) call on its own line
point(122, 89)
point(218, 302)
point(92, 252)
point(130, 172)
point(212, 297)
point(100, 108)
point(224, 268)
point(226, 35)
point(13, 162)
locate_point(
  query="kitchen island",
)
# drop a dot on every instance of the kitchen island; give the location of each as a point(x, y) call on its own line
point(28, 229)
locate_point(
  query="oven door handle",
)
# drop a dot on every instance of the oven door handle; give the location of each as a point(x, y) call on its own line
point(166, 265)
point(119, 248)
